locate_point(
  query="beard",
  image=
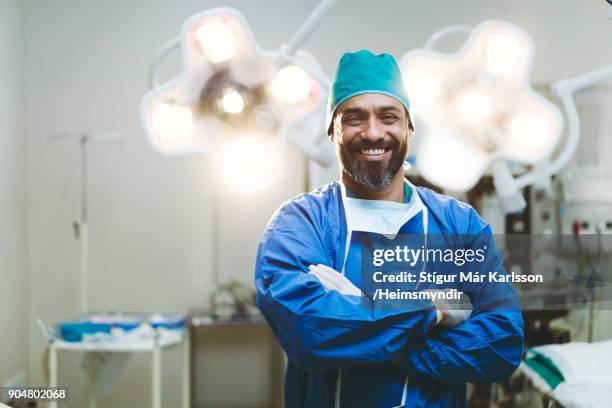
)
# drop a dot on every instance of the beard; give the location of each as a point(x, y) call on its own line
point(374, 174)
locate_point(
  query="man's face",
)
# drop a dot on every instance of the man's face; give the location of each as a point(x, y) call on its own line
point(371, 133)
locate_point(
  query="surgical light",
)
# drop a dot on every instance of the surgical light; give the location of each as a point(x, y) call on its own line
point(265, 119)
point(171, 121)
point(451, 161)
point(530, 131)
point(216, 40)
point(229, 86)
point(291, 85)
point(422, 85)
point(503, 50)
point(484, 111)
point(474, 106)
point(231, 101)
point(248, 163)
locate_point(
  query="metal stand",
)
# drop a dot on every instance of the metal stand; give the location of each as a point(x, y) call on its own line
point(81, 229)
point(155, 348)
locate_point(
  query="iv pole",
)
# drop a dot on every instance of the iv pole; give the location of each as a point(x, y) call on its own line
point(81, 230)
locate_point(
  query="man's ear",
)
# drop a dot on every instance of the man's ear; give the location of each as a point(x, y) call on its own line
point(331, 129)
point(409, 125)
point(330, 132)
point(409, 129)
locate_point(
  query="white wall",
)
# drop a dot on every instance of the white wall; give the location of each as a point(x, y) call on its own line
point(13, 273)
point(150, 216)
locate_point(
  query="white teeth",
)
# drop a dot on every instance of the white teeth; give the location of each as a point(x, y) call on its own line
point(372, 152)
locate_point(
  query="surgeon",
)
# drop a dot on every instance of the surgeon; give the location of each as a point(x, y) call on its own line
point(341, 352)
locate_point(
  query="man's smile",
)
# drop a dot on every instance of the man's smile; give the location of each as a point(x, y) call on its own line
point(374, 154)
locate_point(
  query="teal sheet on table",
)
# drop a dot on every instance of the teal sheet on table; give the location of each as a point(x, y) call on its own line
point(545, 368)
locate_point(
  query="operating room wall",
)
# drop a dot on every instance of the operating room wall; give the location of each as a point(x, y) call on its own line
point(13, 272)
point(155, 235)
point(154, 231)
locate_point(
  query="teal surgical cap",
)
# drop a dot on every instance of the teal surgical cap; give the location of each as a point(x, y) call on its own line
point(363, 72)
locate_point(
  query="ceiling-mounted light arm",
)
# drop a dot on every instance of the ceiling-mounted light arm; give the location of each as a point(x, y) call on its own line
point(510, 196)
point(288, 51)
point(159, 57)
point(307, 138)
point(309, 26)
point(308, 141)
point(450, 30)
point(316, 74)
point(564, 90)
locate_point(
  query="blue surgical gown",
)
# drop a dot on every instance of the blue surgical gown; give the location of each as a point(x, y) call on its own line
point(376, 350)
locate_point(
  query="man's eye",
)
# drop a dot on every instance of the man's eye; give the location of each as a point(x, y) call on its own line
point(389, 119)
point(352, 121)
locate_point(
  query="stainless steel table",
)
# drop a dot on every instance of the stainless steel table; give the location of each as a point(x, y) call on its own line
point(199, 321)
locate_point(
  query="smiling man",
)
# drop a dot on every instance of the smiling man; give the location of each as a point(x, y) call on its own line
point(341, 351)
point(372, 131)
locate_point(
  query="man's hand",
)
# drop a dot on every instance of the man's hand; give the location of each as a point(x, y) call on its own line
point(455, 316)
point(333, 280)
point(450, 315)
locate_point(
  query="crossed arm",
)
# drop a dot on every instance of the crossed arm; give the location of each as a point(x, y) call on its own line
point(323, 329)
point(456, 354)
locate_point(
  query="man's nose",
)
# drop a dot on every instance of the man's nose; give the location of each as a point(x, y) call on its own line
point(373, 131)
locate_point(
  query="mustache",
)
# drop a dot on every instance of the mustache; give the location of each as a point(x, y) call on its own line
point(381, 144)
